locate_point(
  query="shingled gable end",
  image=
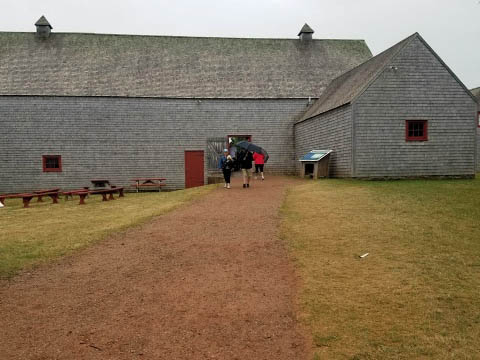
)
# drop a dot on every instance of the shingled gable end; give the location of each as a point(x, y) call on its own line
point(124, 106)
point(401, 114)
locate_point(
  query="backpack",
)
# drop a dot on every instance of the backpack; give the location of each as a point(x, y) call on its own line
point(227, 165)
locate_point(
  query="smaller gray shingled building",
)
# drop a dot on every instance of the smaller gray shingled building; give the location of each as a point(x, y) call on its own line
point(401, 114)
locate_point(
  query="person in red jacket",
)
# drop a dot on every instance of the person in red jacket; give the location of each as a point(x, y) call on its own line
point(259, 163)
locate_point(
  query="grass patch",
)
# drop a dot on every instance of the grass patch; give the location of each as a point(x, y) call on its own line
point(46, 231)
point(416, 296)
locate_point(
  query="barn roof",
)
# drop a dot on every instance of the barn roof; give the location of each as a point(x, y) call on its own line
point(476, 92)
point(346, 87)
point(74, 64)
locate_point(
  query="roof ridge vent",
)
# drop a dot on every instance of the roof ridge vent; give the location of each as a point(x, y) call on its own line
point(43, 27)
point(306, 32)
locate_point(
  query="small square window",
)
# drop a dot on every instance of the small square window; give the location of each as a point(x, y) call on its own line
point(52, 163)
point(416, 130)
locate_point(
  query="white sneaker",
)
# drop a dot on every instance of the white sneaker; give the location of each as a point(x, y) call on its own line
point(225, 185)
point(228, 186)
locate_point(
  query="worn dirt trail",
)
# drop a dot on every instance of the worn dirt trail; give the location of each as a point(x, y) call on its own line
point(210, 280)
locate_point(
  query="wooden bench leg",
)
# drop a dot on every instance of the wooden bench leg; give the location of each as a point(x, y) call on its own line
point(110, 196)
point(104, 197)
point(82, 199)
point(40, 198)
point(120, 193)
point(54, 198)
point(26, 201)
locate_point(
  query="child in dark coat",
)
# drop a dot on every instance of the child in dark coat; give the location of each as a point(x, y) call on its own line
point(227, 168)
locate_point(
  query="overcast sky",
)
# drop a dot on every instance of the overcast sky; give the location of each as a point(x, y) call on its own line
point(451, 27)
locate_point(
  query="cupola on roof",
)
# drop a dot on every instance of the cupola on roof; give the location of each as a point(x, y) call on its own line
point(43, 22)
point(306, 29)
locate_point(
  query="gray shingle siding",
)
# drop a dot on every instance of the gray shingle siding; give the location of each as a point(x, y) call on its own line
point(331, 130)
point(121, 138)
point(478, 149)
point(420, 88)
point(476, 93)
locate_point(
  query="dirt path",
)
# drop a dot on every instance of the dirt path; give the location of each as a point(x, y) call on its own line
point(208, 281)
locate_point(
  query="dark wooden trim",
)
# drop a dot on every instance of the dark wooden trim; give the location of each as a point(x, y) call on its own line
point(44, 163)
point(478, 119)
point(417, 138)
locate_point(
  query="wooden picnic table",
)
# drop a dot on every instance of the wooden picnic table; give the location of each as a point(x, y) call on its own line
point(100, 183)
point(149, 183)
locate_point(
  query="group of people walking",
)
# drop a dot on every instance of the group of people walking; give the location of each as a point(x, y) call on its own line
point(244, 158)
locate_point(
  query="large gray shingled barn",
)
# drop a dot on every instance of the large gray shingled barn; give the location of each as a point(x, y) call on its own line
point(79, 106)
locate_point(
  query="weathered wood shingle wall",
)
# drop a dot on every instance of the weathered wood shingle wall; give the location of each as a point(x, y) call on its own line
point(478, 150)
point(121, 138)
point(415, 86)
point(331, 130)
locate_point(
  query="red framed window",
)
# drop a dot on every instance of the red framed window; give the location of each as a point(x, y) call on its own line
point(52, 163)
point(416, 130)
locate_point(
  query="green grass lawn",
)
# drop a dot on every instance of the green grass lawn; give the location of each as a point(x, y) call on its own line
point(416, 295)
point(46, 231)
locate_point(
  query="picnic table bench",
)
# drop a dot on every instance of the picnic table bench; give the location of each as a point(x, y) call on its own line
point(27, 197)
point(109, 192)
point(82, 193)
point(148, 183)
point(74, 192)
point(41, 193)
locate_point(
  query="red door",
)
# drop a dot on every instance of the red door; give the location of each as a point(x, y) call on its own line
point(194, 175)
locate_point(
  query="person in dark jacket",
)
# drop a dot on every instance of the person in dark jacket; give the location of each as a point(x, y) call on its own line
point(227, 170)
point(221, 163)
point(246, 159)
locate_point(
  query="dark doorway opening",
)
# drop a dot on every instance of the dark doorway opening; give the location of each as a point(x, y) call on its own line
point(309, 168)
